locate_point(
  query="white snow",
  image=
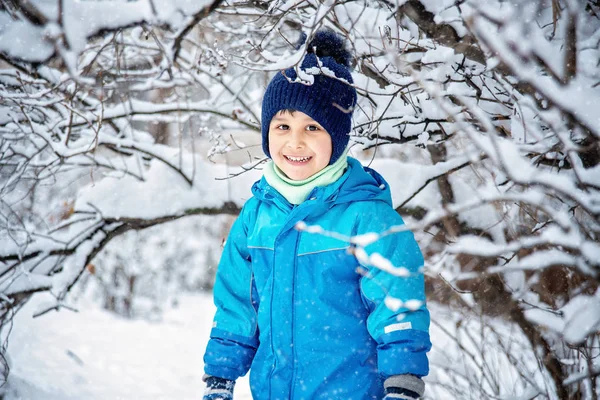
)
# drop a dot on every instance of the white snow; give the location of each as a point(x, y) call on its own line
point(83, 19)
point(25, 41)
point(166, 192)
point(582, 317)
point(378, 261)
point(94, 354)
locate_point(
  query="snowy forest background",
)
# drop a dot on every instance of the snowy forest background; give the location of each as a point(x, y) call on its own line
point(129, 139)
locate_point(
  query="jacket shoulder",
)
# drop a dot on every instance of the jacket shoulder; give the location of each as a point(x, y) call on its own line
point(247, 216)
point(373, 210)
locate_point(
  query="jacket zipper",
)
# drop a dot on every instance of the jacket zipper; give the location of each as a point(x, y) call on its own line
point(290, 212)
point(271, 328)
point(294, 317)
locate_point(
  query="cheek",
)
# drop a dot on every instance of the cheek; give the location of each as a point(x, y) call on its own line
point(325, 147)
point(273, 144)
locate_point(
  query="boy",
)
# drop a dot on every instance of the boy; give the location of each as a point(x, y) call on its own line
point(298, 309)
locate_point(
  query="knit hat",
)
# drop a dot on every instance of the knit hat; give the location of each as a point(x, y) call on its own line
point(323, 91)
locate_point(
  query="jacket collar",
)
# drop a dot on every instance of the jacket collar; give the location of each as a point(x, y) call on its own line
point(357, 184)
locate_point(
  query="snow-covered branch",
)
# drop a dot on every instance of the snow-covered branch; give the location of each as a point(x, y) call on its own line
point(481, 115)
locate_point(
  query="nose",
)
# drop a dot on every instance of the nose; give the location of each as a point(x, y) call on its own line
point(295, 139)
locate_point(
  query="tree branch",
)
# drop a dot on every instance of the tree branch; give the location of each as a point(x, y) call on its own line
point(125, 224)
point(195, 20)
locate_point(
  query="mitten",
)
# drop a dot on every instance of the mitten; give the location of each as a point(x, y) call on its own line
point(408, 387)
point(218, 388)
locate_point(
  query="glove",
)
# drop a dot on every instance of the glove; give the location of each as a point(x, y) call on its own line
point(218, 388)
point(407, 387)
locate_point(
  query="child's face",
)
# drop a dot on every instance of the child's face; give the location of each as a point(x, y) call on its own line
point(299, 146)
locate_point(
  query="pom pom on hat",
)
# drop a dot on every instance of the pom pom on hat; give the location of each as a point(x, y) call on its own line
point(328, 44)
point(329, 99)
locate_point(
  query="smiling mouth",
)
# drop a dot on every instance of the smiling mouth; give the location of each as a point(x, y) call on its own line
point(298, 159)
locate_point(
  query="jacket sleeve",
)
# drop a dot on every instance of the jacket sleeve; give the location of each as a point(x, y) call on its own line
point(401, 329)
point(234, 336)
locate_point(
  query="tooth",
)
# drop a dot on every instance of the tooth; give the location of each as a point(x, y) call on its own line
point(298, 159)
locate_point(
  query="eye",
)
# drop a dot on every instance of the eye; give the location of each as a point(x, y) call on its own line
point(312, 128)
point(282, 127)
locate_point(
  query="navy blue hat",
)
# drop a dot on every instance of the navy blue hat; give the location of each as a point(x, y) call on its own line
point(329, 99)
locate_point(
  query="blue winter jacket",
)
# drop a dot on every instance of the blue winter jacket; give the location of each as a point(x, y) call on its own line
point(299, 310)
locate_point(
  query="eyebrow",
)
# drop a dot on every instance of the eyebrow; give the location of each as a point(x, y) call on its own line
point(304, 119)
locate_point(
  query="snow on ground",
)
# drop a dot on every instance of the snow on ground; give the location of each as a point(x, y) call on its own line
point(97, 355)
point(94, 354)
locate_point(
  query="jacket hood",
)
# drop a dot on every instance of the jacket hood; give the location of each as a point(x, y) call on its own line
point(358, 183)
